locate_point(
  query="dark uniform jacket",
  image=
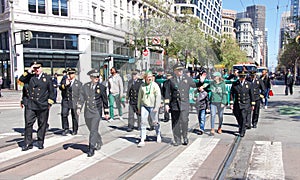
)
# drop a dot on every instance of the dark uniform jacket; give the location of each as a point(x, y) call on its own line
point(177, 94)
point(133, 91)
point(94, 100)
point(70, 93)
point(258, 88)
point(40, 91)
point(25, 96)
point(242, 97)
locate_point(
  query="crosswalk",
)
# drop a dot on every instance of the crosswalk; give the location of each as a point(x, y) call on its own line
point(265, 162)
point(10, 105)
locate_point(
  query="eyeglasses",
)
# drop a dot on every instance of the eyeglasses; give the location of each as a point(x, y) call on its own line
point(36, 68)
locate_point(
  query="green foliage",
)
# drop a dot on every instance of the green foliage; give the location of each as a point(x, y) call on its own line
point(231, 53)
point(291, 55)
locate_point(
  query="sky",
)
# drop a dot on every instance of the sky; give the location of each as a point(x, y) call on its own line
point(273, 18)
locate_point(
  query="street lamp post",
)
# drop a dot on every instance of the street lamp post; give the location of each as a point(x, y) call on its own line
point(146, 58)
point(13, 60)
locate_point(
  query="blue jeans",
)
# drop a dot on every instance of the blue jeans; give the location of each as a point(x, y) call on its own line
point(145, 113)
point(213, 111)
point(266, 94)
point(201, 119)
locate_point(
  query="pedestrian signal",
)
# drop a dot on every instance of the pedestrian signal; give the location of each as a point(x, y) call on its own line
point(26, 36)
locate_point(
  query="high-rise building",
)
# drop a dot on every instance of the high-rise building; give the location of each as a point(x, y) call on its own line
point(245, 35)
point(228, 18)
point(208, 11)
point(295, 12)
point(258, 15)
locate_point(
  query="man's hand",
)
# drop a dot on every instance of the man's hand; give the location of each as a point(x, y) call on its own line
point(78, 111)
point(252, 107)
point(22, 105)
point(106, 116)
point(222, 105)
point(231, 106)
point(167, 108)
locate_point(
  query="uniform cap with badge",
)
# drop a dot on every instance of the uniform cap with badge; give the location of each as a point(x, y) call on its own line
point(36, 64)
point(242, 73)
point(178, 66)
point(217, 74)
point(71, 71)
point(252, 73)
point(93, 73)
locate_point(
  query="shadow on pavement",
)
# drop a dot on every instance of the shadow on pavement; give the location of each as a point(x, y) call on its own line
point(83, 147)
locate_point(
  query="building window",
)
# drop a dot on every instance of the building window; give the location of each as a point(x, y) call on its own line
point(37, 6)
point(45, 40)
point(2, 4)
point(120, 49)
point(115, 20)
point(94, 13)
point(99, 45)
point(102, 16)
point(121, 22)
point(4, 41)
point(60, 7)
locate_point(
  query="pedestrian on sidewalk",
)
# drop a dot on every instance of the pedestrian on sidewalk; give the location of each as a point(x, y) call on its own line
point(40, 99)
point(133, 88)
point(202, 105)
point(115, 87)
point(149, 101)
point(242, 101)
point(267, 83)
point(218, 101)
point(94, 96)
point(289, 82)
point(70, 92)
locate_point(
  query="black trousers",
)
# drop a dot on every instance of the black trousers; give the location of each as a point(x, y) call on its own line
point(30, 118)
point(241, 116)
point(132, 110)
point(93, 126)
point(288, 88)
point(180, 120)
point(64, 118)
point(255, 113)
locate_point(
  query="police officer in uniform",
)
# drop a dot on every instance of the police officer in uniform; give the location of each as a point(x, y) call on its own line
point(177, 101)
point(94, 95)
point(242, 100)
point(258, 90)
point(40, 99)
point(70, 91)
point(133, 88)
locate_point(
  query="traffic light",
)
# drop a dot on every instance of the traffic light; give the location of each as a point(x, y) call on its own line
point(26, 36)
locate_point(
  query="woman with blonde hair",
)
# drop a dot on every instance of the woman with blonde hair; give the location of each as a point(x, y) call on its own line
point(218, 101)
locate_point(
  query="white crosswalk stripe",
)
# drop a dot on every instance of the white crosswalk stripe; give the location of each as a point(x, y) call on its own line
point(75, 165)
point(16, 152)
point(193, 157)
point(266, 161)
point(4, 135)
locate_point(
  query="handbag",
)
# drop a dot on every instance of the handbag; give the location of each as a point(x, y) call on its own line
point(271, 93)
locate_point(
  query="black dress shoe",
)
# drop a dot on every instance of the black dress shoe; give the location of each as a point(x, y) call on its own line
point(65, 132)
point(185, 141)
point(27, 147)
point(74, 132)
point(40, 146)
point(242, 134)
point(129, 129)
point(91, 152)
point(254, 126)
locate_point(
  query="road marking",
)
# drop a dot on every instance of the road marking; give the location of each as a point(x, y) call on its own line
point(188, 162)
point(79, 163)
point(13, 153)
point(266, 161)
point(4, 135)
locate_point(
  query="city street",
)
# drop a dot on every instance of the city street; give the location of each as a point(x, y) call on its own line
point(271, 151)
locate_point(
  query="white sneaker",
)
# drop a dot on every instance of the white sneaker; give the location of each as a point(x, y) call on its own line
point(266, 107)
point(158, 139)
point(121, 118)
point(110, 120)
point(141, 144)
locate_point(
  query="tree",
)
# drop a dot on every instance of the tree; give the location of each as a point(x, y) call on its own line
point(231, 53)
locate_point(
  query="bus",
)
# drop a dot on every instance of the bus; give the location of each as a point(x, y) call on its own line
point(249, 67)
